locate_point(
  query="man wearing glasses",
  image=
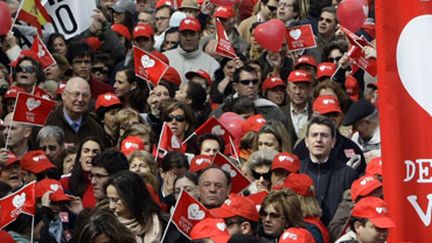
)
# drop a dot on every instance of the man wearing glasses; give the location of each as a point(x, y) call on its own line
point(73, 115)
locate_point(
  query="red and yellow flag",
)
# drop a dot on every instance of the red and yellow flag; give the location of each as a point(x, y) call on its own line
point(34, 13)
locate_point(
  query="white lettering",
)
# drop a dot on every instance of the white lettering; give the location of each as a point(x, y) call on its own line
point(410, 167)
point(424, 165)
point(425, 218)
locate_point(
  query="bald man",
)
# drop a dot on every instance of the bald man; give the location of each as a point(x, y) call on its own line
point(73, 115)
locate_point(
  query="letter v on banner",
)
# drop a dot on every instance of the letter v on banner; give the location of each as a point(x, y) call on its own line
point(404, 49)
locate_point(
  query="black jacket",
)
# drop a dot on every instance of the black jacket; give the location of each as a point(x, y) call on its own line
point(331, 179)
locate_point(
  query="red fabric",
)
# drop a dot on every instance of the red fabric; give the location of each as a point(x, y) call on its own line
point(88, 199)
point(97, 88)
point(317, 222)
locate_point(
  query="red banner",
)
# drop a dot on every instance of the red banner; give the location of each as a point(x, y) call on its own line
point(224, 46)
point(168, 142)
point(42, 52)
point(238, 180)
point(21, 201)
point(32, 109)
point(187, 213)
point(404, 34)
point(148, 67)
point(300, 37)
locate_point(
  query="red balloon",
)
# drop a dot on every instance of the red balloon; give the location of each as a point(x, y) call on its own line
point(270, 35)
point(352, 14)
point(233, 122)
point(5, 18)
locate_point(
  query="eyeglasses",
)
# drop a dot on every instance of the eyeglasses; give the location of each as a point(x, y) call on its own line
point(99, 70)
point(257, 176)
point(249, 81)
point(161, 18)
point(78, 94)
point(49, 147)
point(97, 176)
point(272, 215)
point(25, 69)
point(179, 118)
point(334, 59)
point(271, 8)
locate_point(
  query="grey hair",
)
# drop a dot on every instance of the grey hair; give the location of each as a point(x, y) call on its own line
point(261, 157)
point(51, 131)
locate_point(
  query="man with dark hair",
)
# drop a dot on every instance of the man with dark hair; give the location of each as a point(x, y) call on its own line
point(214, 186)
point(331, 177)
point(209, 144)
point(327, 26)
point(104, 165)
point(80, 57)
point(174, 164)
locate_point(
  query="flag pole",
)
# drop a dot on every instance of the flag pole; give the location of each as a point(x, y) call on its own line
point(235, 151)
point(16, 14)
point(171, 216)
point(32, 229)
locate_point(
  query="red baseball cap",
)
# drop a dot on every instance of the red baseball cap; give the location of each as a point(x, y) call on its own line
point(47, 184)
point(190, 23)
point(172, 76)
point(352, 87)
point(36, 161)
point(224, 12)
point(203, 74)
point(12, 92)
point(106, 100)
point(375, 209)
point(210, 228)
point(326, 104)
point(299, 183)
point(121, 30)
point(200, 162)
point(131, 144)
point(297, 76)
point(11, 158)
point(143, 30)
point(363, 186)
point(93, 42)
point(258, 198)
point(287, 161)
point(309, 60)
point(162, 3)
point(253, 123)
point(236, 205)
point(272, 82)
point(374, 167)
point(296, 235)
point(326, 70)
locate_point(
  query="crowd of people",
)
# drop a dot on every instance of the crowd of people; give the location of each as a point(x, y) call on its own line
point(304, 128)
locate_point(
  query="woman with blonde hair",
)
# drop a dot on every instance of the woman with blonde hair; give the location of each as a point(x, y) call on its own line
point(274, 135)
point(143, 163)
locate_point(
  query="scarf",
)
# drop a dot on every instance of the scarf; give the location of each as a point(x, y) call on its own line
point(149, 232)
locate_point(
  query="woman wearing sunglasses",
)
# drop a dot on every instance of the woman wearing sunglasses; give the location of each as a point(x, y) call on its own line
point(28, 73)
point(259, 165)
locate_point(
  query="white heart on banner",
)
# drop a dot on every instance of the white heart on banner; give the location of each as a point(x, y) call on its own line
point(194, 212)
point(54, 187)
point(221, 226)
point(32, 103)
point(218, 130)
point(19, 200)
point(147, 62)
point(295, 33)
point(413, 60)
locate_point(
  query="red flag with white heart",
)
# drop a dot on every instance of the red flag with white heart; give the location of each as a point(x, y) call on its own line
point(21, 201)
point(300, 37)
point(239, 181)
point(42, 52)
point(187, 213)
point(357, 45)
point(31, 109)
point(148, 67)
point(224, 47)
point(404, 37)
point(168, 142)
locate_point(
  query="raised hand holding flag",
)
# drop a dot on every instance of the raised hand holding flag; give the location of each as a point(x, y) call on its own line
point(148, 67)
point(31, 109)
point(42, 52)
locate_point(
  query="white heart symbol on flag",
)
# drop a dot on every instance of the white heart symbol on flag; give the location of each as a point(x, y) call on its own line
point(199, 161)
point(289, 235)
point(19, 200)
point(194, 212)
point(54, 187)
point(221, 226)
point(108, 97)
point(295, 33)
point(217, 130)
point(147, 62)
point(32, 103)
point(411, 58)
point(227, 168)
point(175, 143)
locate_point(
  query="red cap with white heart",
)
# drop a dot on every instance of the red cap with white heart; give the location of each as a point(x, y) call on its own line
point(363, 186)
point(224, 12)
point(36, 161)
point(299, 76)
point(131, 144)
point(253, 123)
point(200, 162)
point(190, 23)
point(299, 183)
point(296, 235)
point(326, 70)
point(210, 228)
point(325, 104)
point(106, 100)
point(143, 30)
point(12, 92)
point(352, 87)
point(237, 205)
point(374, 167)
point(287, 161)
point(47, 184)
point(308, 60)
point(203, 74)
point(375, 209)
point(273, 82)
